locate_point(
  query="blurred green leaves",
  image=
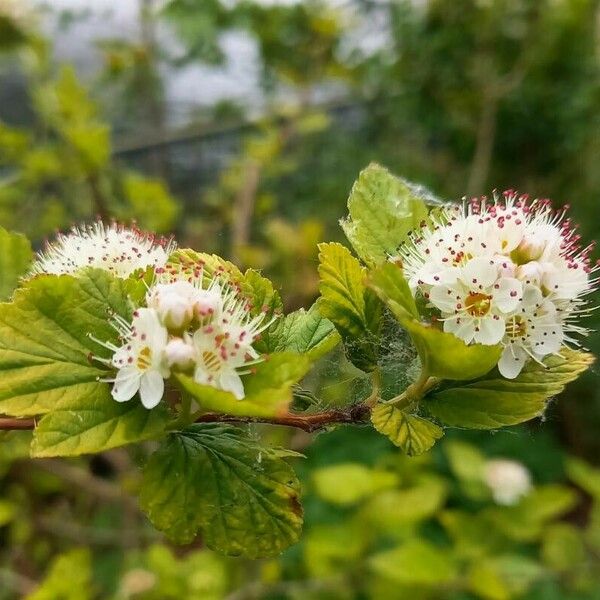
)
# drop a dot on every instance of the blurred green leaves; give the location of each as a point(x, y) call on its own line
point(15, 258)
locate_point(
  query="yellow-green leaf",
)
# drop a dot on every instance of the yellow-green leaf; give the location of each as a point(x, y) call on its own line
point(45, 347)
point(494, 401)
point(413, 434)
point(383, 209)
point(348, 303)
point(214, 479)
point(268, 390)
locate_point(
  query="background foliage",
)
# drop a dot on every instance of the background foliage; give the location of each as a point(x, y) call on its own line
point(462, 95)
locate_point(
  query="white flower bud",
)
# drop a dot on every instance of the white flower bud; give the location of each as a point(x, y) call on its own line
point(508, 480)
point(207, 302)
point(174, 303)
point(180, 353)
point(531, 272)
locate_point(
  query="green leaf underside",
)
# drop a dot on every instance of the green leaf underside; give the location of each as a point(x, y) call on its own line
point(383, 210)
point(261, 293)
point(214, 479)
point(413, 434)
point(258, 289)
point(15, 258)
point(493, 401)
point(442, 354)
point(304, 332)
point(44, 345)
point(94, 422)
point(268, 390)
point(347, 302)
point(211, 263)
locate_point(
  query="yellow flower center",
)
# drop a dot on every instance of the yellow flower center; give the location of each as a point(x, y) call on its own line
point(144, 359)
point(516, 327)
point(478, 305)
point(211, 361)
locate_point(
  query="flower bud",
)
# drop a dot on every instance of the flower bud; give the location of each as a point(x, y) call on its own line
point(207, 302)
point(531, 272)
point(174, 303)
point(180, 354)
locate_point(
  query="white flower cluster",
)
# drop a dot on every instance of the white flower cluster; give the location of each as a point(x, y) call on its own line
point(505, 271)
point(206, 331)
point(115, 248)
point(508, 480)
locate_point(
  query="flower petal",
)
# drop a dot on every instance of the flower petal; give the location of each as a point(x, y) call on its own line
point(479, 272)
point(490, 331)
point(152, 387)
point(508, 294)
point(127, 383)
point(444, 298)
point(461, 327)
point(231, 382)
point(512, 361)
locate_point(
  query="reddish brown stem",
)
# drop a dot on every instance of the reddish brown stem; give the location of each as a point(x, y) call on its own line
point(311, 422)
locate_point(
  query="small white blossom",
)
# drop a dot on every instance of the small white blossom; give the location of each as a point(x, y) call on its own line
point(474, 307)
point(532, 332)
point(506, 271)
point(508, 480)
point(114, 248)
point(141, 361)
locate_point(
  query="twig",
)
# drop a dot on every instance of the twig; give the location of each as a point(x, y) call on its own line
point(311, 422)
point(10, 424)
point(356, 415)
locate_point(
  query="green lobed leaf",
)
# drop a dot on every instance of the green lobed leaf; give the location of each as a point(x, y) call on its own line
point(413, 434)
point(348, 303)
point(261, 293)
point(304, 332)
point(494, 401)
point(93, 422)
point(268, 390)
point(214, 479)
point(383, 210)
point(44, 344)
point(212, 264)
point(442, 354)
point(15, 258)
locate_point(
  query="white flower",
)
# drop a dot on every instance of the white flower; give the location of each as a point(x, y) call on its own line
point(114, 248)
point(219, 325)
point(533, 331)
point(507, 270)
point(475, 306)
point(508, 480)
point(215, 366)
point(141, 360)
